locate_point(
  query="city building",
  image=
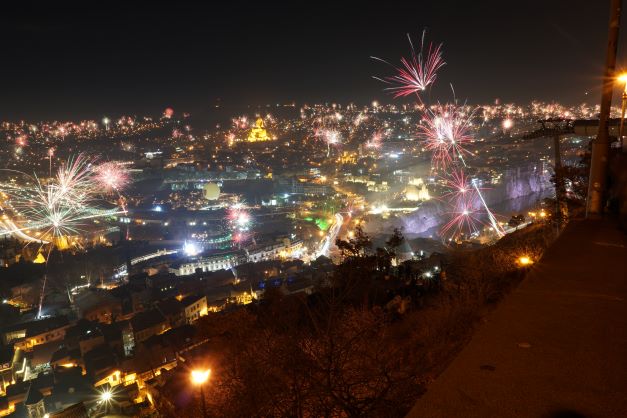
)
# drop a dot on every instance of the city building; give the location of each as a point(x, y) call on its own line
point(28, 335)
point(258, 132)
point(221, 261)
point(194, 307)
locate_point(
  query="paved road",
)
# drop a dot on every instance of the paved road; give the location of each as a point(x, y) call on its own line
point(556, 347)
point(329, 241)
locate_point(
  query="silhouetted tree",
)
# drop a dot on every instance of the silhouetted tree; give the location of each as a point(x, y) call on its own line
point(358, 246)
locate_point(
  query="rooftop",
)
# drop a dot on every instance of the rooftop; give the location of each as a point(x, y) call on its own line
point(146, 319)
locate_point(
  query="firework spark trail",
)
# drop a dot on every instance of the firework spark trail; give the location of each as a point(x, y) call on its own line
point(459, 184)
point(58, 208)
point(443, 155)
point(375, 141)
point(466, 199)
point(463, 199)
point(10, 228)
point(111, 176)
point(330, 137)
point(464, 217)
point(446, 132)
point(240, 218)
point(415, 73)
point(493, 220)
point(73, 185)
point(460, 187)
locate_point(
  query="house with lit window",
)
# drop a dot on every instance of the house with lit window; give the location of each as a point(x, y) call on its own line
point(27, 335)
point(194, 307)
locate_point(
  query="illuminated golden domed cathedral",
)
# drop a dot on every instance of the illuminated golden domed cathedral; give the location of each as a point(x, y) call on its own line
point(258, 132)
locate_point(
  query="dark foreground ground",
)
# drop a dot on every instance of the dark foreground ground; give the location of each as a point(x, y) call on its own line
point(556, 347)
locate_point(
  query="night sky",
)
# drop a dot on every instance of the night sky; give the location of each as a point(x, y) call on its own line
point(114, 58)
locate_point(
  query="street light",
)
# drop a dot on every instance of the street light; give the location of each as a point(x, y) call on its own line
point(623, 79)
point(524, 260)
point(199, 377)
point(105, 397)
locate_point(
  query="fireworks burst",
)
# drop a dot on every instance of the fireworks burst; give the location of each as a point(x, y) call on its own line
point(21, 141)
point(446, 131)
point(416, 73)
point(330, 136)
point(73, 185)
point(465, 219)
point(464, 202)
point(469, 208)
point(240, 123)
point(112, 176)
point(375, 141)
point(54, 209)
point(239, 217)
point(460, 188)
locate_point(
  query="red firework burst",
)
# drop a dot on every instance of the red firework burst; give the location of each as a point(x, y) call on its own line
point(465, 219)
point(375, 141)
point(112, 176)
point(446, 131)
point(239, 217)
point(460, 188)
point(467, 207)
point(415, 73)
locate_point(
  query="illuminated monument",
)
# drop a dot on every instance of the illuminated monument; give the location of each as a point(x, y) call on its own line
point(416, 190)
point(258, 132)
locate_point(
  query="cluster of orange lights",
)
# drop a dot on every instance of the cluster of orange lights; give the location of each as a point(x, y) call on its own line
point(541, 214)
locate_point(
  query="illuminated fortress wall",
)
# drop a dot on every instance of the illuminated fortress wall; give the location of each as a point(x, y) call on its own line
point(519, 189)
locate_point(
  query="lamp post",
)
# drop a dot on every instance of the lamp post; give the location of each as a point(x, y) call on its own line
point(199, 377)
point(601, 145)
point(623, 79)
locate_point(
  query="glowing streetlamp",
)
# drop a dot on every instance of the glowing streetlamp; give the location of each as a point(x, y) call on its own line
point(106, 396)
point(524, 261)
point(199, 378)
point(623, 79)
